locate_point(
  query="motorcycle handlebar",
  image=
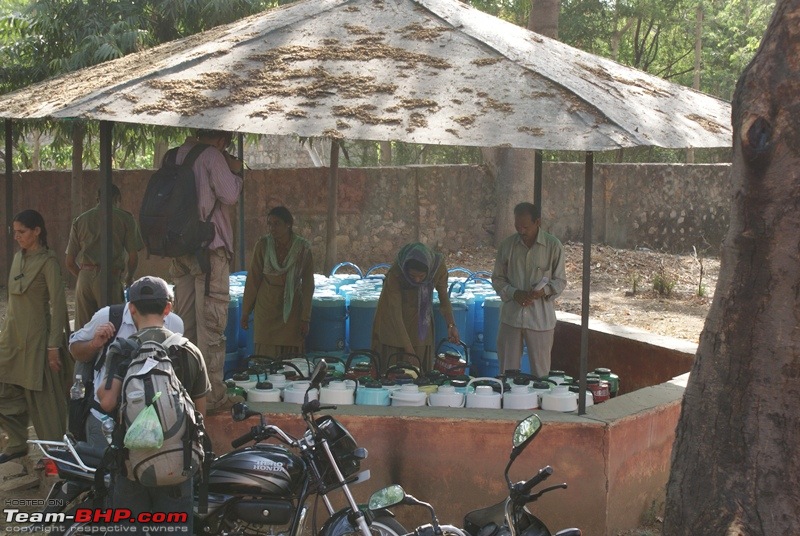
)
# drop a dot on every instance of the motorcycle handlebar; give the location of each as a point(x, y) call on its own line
point(246, 438)
point(543, 474)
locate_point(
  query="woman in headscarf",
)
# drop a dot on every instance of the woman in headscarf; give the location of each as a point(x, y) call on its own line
point(404, 316)
point(33, 340)
point(280, 286)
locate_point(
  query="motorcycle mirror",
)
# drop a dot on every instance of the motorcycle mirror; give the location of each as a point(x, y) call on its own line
point(525, 431)
point(240, 412)
point(386, 497)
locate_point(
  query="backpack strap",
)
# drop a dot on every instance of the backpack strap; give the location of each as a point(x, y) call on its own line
point(115, 313)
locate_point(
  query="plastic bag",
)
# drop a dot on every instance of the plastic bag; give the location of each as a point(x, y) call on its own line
point(145, 430)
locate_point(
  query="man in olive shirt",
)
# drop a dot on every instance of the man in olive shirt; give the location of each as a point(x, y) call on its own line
point(528, 275)
point(84, 252)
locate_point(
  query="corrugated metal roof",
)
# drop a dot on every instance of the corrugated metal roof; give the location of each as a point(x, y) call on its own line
point(424, 71)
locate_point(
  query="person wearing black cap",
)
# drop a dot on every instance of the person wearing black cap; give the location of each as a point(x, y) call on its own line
point(149, 302)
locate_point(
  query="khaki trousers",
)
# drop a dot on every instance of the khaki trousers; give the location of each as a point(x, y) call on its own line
point(204, 317)
point(87, 295)
point(46, 409)
point(539, 344)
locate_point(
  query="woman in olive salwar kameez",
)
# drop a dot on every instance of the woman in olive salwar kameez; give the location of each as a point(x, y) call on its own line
point(33, 368)
point(280, 287)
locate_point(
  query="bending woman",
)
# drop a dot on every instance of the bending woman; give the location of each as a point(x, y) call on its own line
point(33, 342)
point(280, 287)
point(404, 316)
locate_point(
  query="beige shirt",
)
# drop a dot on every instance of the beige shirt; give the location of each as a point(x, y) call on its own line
point(518, 267)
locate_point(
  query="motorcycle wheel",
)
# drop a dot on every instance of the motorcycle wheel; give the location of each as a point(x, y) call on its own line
point(387, 526)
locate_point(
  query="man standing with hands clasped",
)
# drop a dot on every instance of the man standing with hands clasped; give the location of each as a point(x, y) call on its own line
point(528, 275)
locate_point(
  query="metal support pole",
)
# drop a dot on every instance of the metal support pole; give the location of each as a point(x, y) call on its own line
point(9, 208)
point(333, 208)
point(587, 263)
point(242, 265)
point(537, 178)
point(106, 207)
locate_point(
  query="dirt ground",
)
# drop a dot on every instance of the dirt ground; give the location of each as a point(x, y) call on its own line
point(622, 287)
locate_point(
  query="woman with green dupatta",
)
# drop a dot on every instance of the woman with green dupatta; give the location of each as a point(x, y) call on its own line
point(33, 358)
point(279, 287)
point(404, 316)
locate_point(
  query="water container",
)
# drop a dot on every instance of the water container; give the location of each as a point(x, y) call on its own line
point(525, 362)
point(362, 317)
point(459, 316)
point(327, 331)
point(491, 322)
point(491, 364)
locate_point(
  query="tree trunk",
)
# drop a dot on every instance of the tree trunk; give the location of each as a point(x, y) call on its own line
point(160, 148)
point(513, 168)
point(544, 17)
point(735, 463)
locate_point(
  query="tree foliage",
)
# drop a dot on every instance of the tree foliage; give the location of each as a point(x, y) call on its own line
point(43, 38)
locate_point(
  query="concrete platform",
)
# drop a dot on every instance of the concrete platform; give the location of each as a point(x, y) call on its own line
point(615, 458)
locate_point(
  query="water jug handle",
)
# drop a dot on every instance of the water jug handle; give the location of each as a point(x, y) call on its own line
point(377, 267)
point(460, 269)
point(350, 264)
point(495, 380)
point(464, 348)
point(373, 357)
point(397, 355)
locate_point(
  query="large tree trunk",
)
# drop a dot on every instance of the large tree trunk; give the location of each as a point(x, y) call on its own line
point(513, 168)
point(735, 462)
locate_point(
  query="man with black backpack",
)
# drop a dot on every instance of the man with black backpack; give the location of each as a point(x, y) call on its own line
point(165, 373)
point(202, 281)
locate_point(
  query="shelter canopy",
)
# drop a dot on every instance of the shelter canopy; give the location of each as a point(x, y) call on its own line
point(424, 71)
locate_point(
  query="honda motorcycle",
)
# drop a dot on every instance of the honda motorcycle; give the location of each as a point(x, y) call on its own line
point(262, 489)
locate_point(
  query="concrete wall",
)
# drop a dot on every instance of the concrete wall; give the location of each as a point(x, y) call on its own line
point(614, 459)
point(670, 207)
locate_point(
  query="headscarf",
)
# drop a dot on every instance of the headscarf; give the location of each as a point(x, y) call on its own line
point(292, 266)
point(421, 253)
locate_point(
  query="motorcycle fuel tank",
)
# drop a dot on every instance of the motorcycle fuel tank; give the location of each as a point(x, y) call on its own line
point(261, 469)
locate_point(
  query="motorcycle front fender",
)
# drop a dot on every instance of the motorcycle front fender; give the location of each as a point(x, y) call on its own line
point(339, 524)
point(342, 522)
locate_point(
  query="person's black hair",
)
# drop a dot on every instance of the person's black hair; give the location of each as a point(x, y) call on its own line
point(32, 219)
point(150, 307)
point(215, 134)
point(116, 194)
point(534, 211)
point(282, 213)
point(414, 264)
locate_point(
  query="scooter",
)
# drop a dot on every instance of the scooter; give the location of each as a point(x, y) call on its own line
point(259, 489)
point(511, 517)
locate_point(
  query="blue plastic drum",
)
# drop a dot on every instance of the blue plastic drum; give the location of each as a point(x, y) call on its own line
point(327, 332)
point(362, 317)
point(459, 315)
point(491, 322)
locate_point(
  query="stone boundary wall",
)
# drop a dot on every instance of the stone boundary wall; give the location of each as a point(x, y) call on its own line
point(662, 207)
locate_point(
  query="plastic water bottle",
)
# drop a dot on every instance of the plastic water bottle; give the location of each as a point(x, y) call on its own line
point(78, 390)
point(108, 428)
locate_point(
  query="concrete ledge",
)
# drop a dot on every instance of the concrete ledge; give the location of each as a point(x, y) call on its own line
point(615, 458)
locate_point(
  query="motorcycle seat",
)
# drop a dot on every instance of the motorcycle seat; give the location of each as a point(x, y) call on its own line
point(476, 520)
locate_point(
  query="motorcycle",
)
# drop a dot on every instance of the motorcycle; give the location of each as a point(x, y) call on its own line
point(511, 517)
point(395, 495)
point(259, 489)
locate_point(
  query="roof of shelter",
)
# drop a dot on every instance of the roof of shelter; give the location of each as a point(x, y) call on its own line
point(423, 71)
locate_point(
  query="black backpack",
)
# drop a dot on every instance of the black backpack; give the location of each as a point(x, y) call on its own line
point(168, 218)
point(79, 410)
